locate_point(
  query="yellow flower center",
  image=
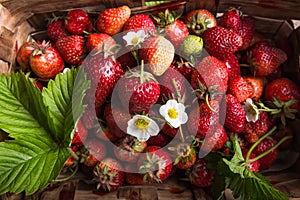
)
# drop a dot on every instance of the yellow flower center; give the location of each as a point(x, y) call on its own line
point(172, 112)
point(142, 124)
point(135, 40)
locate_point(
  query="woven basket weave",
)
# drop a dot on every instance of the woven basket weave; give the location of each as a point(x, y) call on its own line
point(21, 19)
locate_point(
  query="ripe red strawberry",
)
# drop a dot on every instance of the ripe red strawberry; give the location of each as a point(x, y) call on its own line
point(232, 64)
point(138, 91)
point(257, 85)
point(90, 25)
point(133, 178)
point(80, 133)
point(185, 68)
point(202, 120)
point(45, 61)
point(38, 84)
point(216, 140)
point(76, 21)
point(267, 160)
point(235, 114)
point(71, 48)
point(23, 56)
point(254, 130)
point(231, 19)
point(71, 161)
point(100, 41)
point(157, 53)
point(89, 118)
point(93, 152)
point(253, 166)
point(240, 88)
point(56, 30)
point(161, 139)
point(199, 20)
point(219, 40)
point(200, 175)
point(109, 175)
point(246, 30)
point(265, 59)
point(169, 130)
point(138, 22)
point(112, 20)
point(155, 164)
point(185, 156)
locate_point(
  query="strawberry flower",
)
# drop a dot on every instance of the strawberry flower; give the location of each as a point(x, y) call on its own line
point(174, 113)
point(135, 38)
point(142, 127)
point(252, 112)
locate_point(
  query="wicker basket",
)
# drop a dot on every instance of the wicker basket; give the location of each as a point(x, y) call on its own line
point(18, 20)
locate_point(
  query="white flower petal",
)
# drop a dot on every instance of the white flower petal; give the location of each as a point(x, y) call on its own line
point(174, 122)
point(183, 118)
point(163, 110)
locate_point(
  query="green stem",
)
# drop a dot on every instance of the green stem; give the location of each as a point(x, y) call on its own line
point(68, 177)
point(207, 102)
point(271, 149)
point(176, 88)
point(181, 134)
point(258, 141)
point(134, 53)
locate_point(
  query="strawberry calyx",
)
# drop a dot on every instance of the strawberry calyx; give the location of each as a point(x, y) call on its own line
point(53, 19)
point(198, 24)
point(105, 177)
point(184, 153)
point(166, 18)
point(141, 74)
point(40, 48)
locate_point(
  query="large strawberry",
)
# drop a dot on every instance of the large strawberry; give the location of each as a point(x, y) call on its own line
point(140, 21)
point(112, 20)
point(199, 175)
point(158, 54)
point(219, 40)
point(257, 85)
point(24, 54)
point(56, 30)
point(216, 140)
point(45, 61)
point(76, 21)
point(71, 48)
point(100, 41)
point(231, 19)
point(232, 64)
point(240, 88)
point(246, 30)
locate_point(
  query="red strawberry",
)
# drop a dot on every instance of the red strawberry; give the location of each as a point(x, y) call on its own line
point(71, 48)
point(158, 54)
point(235, 114)
point(90, 25)
point(265, 59)
point(56, 30)
point(185, 68)
point(39, 85)
point(112, 20)
point(45, 61)
point(138, 22)
point(246, 30)
point(257, 85)
point(24, 54)
point(133, 178)
point(169, 130)
point(161, 140)
point(200, 175)
point(216, 140)
point(254, 130)
point(281, 133)
point(76, 21)
point(109, 175)
point(253, 166)
point(232, 64)
point(71, 161)
point(199, 20)
point(155, 164)
point(105, 134)
point(185, 156)
point(219, 40)
point(138, 91)
point(240, 88)
point(80, 133)
point(267, 160)
point(100, 41)
point(231, 19)
point(89, 118)
point(94, 151)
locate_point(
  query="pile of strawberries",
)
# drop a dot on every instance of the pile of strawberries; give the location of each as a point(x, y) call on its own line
point(166, 91)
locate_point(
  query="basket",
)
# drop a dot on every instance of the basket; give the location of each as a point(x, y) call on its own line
point(19, 20)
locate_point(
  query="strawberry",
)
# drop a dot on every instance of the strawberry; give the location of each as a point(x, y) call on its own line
point(263, 146)
point(56, 30)
point(112, 20)
point(89, 118)
point(138, 22)
point(45, 61)
point(252, 166)
point(265, 59)
point(219, 40)
point(105, 134)
point(100, 41)
point(109, 175)
point(199, 20)
point(161, 139)
point(281, 133)
point(232, 64)
point(231, 19)
point(192, 46)
point(155, 164)
point(93, 152)
point(246, 30)
point(157, 53)
point(185, 156)
point(24, 54)
point(76, 21)
point(257, 85)
point(254, 130)
point(200, 175)
point(80, 133)
point(235, 114)
point(90, 25)
point(240, 88)
point(185, 68)
point(169, 130)
point(133, 178)
point(138, 91)
point(216, 140)
point(39, 85)
point(71, 161)
point(71, 48)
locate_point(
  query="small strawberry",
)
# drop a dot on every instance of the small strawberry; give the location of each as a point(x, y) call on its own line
point(138, 22)
point(265, 59)
point(109, 175)
point(71, 48)
point(185, 156)
point(93, 152)
point(235, 114)
point(76, 21)
point(246, 31)
point(257, 85)
point(191, 47)
point(219, 40)
point(161, 139)
point(231, 19)
point(45, 61)
point(216, 140)
point(24, 54)
point(199, 20)
point(100, 42)
point(253, 166)
point(232, 64)
point(80, 133)
point(199, 175)
point(112, 20)
point(56, 30)
point(240, 88)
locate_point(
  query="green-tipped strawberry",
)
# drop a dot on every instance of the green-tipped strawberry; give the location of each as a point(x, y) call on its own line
point(192, 46)
point(185, 156)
